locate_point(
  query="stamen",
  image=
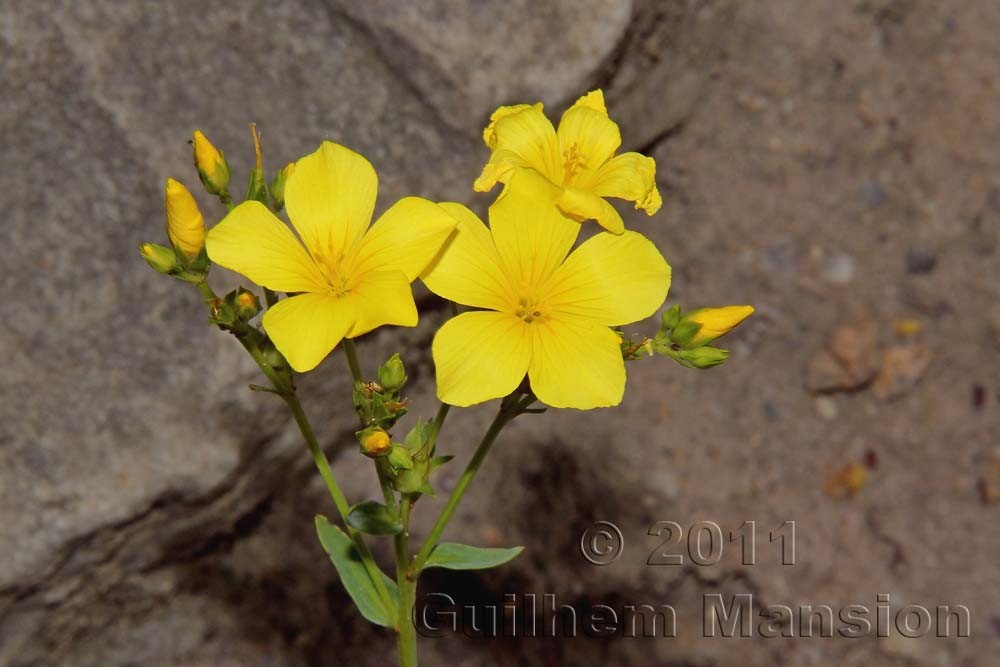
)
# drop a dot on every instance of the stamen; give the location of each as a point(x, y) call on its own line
point(573, 162)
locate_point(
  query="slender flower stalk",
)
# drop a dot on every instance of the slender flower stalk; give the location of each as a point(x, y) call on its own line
point(509, 409)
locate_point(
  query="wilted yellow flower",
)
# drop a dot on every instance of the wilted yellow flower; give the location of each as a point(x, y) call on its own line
point(548, 312)
point(211, 164)
point(353, 278)
point(185, 225)
point(579, 158)
point(715, 322)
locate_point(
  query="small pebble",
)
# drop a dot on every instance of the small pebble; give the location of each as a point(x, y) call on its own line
point(839, 269)
point(873, 193)
point(920, 261)
point(826, 407)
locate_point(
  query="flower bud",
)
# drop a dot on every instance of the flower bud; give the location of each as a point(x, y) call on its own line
point(277, 188)
point(185, 226)
point(392, 374)
point(703, 357)
point(247, 304)
point(161, 258)
point(211, 165)
point(399, 457)
point(374, 441)
point(714, 323)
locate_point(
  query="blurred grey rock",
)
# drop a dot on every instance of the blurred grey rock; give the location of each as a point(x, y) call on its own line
point(466, 58)
point(129, 440)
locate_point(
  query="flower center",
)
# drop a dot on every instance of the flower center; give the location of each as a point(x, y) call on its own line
point(573, 162)
point(528, 310)
point(338, 283)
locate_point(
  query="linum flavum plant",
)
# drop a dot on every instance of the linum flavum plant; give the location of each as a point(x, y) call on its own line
point(538, 316)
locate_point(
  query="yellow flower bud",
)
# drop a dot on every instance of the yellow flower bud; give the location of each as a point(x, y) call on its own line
point(715, 322)
point(375, 442)
point(247, 304)
point(185, 226)
point(211, 164)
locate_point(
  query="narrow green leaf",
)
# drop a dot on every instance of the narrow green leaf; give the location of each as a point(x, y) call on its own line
point(438, 461)
point(353, 574)
point(452, 556)
point(374, 518)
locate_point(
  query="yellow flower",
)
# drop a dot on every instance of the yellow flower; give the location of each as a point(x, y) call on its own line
point(185, 225)
point(715, 322)
point(352, 278)
point(548, 311)
point(211, 164)
point(579, 158)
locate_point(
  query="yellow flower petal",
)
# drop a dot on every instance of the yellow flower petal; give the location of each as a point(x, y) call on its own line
point(252, 241)
point(490, 131)
point(576, 364)
point(584, 205)
point(611, 280)
point(592, 100)
point(469, 270)
point(587, 139)
point(307, 327)
point(479, 356)
point(630, 176)
point(520, 136)
point(330, 196)
point(530, 234)
point(382, 297)
point(405, 238)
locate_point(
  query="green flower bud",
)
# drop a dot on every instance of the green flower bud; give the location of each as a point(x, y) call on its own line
point(392, 374)
point(703, 357)
point(399, 457)
point(374, 441)
point(278, 185)
point(161, 258)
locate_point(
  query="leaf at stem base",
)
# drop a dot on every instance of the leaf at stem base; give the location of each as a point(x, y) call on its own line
point(354, 576)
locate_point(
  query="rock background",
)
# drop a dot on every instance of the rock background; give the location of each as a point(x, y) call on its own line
point(835, 164)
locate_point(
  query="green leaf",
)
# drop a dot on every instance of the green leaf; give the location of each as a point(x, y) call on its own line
point(374, 518)
point(452, 556)
point(439, 461)
point(354, 576)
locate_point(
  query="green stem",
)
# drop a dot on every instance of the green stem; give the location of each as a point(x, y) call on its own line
point(351, 352)
point(508, 410)
point(436, 425)
point(407, 591)
point(207, 295)
point(338, 497)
